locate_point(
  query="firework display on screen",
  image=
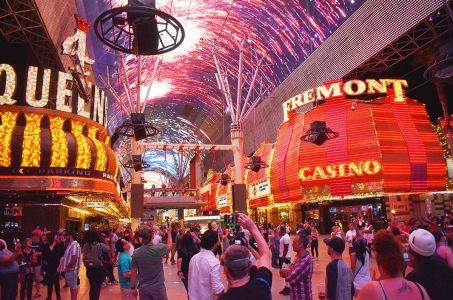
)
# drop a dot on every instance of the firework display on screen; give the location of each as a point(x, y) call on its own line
point(185, 102)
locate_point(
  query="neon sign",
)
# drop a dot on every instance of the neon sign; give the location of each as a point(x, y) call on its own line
point(67, 98)
point(351, 88)
point(222, 201)
point(259, 189)
point(75, 45)
point(351, 169)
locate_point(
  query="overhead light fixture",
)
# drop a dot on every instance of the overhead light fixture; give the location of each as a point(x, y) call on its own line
point(76, 209)
point(74, 199)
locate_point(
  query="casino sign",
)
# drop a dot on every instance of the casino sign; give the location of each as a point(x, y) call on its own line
point(52, 131)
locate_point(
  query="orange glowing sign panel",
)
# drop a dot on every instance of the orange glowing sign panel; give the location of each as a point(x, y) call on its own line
point(353, 87)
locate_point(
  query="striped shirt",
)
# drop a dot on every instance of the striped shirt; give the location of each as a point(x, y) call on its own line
point(299, 278)
point(71, 250)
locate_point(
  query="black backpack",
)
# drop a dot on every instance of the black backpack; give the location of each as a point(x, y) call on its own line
point(92, 255)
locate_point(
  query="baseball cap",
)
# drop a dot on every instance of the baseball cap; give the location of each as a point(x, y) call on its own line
point(336, 243)
point(422, 242)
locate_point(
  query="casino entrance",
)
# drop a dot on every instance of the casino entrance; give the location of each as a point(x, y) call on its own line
point(325, 214)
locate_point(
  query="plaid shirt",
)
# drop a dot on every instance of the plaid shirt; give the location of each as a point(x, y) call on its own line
point(299, 278)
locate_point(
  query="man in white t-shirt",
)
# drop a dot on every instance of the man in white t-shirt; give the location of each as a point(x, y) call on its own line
point(204, 270)
point(284, 255)
point(350, 235)
point(157, 239)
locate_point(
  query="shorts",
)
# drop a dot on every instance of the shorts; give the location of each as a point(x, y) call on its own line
point(127, 294)
point(71, 278)
point(351, 250)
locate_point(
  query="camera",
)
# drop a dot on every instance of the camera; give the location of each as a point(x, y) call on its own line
point(406, 256)
point(237, 237)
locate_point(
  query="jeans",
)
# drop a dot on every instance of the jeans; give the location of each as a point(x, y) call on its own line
point(314, 246)
point(8, 284)
point(274, 259)
point(26, 285)
point(153, 292)
point(96, 276)
point(53, 280)
point(109, 272)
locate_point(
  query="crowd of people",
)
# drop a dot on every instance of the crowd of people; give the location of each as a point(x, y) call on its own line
point(412, 260)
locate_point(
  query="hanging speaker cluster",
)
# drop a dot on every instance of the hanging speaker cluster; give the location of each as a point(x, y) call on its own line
point(139, 28)
point(137, 128)
point(318, 133)
point(136, 163)
point(442, 69)
point(255, 164)
point(146, 33)
point(225, 179)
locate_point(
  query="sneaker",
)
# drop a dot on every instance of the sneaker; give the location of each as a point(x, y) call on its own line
point(285, 291)
point(114, 282)
point(103, 284)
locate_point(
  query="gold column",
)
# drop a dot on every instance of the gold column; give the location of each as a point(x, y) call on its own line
point(59, 156)
point(6, 133)
point(31, 145)
point(101, 155)
point(83, 148)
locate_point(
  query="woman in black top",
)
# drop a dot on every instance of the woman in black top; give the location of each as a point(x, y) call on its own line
point(185, 253)
point(52, 253)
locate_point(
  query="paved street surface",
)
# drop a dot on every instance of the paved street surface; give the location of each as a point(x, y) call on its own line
point(175, 288)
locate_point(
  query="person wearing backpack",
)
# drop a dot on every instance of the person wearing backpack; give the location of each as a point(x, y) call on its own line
point(92, 259)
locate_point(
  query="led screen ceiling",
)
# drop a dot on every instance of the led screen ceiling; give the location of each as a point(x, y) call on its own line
point(185, 103)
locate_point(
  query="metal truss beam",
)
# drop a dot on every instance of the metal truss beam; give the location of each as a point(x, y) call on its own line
point(201, 147)
point(21, 23)
point(420, 36)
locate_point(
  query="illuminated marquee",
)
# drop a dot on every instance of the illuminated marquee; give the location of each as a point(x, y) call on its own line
point(259, 189)
point(67, 98)
point(351, 169)
point(351, 88)
point(222, 201)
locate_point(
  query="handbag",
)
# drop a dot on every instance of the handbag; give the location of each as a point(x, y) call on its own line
point(45, 279)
